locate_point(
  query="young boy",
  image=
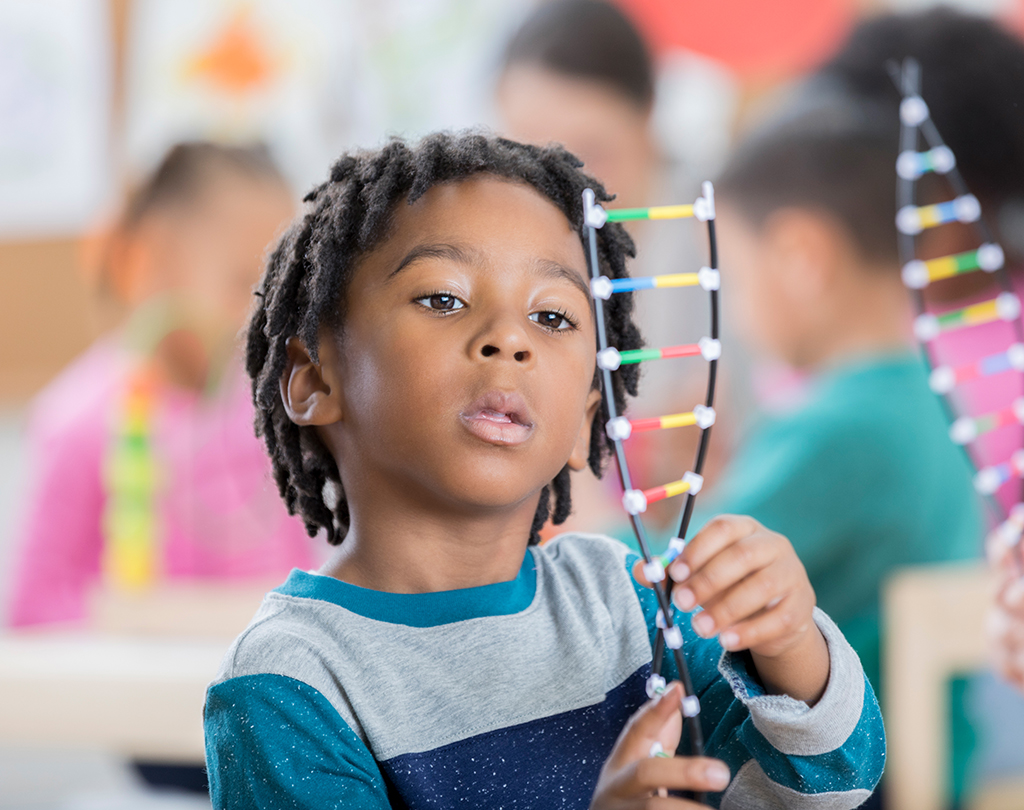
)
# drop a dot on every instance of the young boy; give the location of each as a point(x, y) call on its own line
point(423, 363)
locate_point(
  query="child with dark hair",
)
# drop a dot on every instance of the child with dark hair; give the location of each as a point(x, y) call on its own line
point(973, 80)
point(861, 474)
point(145, 472)
point(144, 467)
point(423, 363)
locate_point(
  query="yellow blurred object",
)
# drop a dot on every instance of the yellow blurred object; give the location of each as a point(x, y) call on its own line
point(132, 479)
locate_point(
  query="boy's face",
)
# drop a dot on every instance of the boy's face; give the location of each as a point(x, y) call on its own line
point(464, 371)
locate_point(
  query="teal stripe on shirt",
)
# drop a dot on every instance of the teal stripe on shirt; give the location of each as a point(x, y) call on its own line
point(420, 609)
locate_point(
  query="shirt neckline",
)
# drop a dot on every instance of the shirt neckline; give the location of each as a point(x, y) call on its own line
point(419, 609)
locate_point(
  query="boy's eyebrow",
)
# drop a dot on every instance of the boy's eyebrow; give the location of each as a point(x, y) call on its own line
point(437, 251)
point(556, 270)
point(459, 254)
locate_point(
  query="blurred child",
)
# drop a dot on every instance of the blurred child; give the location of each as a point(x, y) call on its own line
point(441, 657)
point(578, 73)
point(144, 463)
point(973, 80)
point(862, 476)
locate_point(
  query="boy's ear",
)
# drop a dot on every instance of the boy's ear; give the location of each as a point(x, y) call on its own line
point(581, 450)
point(310, 397)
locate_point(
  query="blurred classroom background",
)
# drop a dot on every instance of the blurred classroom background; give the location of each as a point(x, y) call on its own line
point(92, 95)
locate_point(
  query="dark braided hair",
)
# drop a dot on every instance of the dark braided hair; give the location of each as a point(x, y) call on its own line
point(304, 285)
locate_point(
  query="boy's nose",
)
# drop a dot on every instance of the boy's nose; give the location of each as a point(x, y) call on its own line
point(504, 340)
point(489, 350)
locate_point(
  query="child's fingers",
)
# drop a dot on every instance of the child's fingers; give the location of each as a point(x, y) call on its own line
point(716, 535)
point(790, 616)
point(645, 727)
point(760, 590)
point(645, 776)
point(732, 564)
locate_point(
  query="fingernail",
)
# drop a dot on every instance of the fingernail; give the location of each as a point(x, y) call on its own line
point(684, 598)
point(679, 571)
point(718, 775)
point(703, 624)
point(729, 640)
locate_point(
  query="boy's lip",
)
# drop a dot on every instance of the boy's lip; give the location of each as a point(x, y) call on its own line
point(498, 417)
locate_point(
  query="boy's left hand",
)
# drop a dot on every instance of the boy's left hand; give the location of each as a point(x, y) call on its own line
point(755, 595)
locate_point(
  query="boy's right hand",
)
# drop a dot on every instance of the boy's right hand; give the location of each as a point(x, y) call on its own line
point(632, 778)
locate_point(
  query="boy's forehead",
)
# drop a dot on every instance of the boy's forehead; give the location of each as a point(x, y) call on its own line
point(485, 209)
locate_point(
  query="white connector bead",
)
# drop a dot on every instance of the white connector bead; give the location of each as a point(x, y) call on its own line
point(915, 274)
point(987, 481)
point(926, 327)
point(1018, 409)
point(1015, 354)
point(659, 620)
point(673, 637)
point(609, 359)
point(943, 159)
point(967, 208)
point(695, 481)
point(594, 216)
point(1008, 306)
point(963, 431)
point(618, 429)
point(708, 190)
point(908, 220)
point(913, 111)
point(943, 379)
point(709, 279)
point(704, 416)
point(710, 349)
point(676, 546)
point(654, 572)
point(601, 287)
point(908, 166)
point(634, 501)
point(655, 685)
point(691, 706)
point(991, 257)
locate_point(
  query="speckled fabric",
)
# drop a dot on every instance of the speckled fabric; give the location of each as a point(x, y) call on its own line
point(509, 695)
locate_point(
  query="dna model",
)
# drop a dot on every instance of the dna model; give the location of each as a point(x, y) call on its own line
point(918, 275)
point(619, 427)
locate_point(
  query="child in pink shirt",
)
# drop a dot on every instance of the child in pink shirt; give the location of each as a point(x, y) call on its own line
point(163, 401)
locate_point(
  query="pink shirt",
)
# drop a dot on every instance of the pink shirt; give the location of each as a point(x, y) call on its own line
point(219, 510)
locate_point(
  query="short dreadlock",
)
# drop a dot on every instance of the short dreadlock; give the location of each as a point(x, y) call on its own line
point(304, 284)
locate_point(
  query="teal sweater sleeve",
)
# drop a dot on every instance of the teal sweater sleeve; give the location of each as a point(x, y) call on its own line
point(782, 753)
point(275, 742)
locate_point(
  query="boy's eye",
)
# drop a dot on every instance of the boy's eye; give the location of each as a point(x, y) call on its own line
point(552, 320)
point(441, 302)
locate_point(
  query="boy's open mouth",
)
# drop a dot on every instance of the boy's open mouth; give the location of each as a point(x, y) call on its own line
point(498, 417)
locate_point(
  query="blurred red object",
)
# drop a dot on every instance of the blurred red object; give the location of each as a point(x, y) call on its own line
point(754, 38)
